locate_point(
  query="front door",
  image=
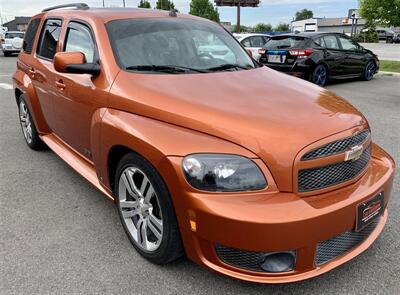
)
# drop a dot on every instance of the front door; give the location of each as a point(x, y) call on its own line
point(354, 61)
point(79, 95)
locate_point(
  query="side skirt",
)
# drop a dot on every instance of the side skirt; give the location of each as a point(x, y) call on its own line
point(77, 162)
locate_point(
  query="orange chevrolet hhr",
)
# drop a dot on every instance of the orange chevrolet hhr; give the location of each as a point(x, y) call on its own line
point(249, 172)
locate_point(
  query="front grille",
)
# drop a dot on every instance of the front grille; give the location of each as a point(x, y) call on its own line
point(339, 245)
point(322, 177)
point(337, 147)
point(242, 259)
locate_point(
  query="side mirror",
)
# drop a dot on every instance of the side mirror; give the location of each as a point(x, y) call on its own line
point(74, 63)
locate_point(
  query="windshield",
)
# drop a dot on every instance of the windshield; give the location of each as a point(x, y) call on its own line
point(285, 42)
point(14, 35)
point(175, 45)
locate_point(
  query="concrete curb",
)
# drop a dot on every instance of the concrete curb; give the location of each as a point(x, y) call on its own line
point(388, 73)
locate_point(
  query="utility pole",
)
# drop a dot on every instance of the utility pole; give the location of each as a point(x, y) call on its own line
point(238, 18)
point(103, 4)
point(123, 2)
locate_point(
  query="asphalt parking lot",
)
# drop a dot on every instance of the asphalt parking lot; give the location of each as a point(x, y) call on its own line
point(60, 235)
point(385, 51)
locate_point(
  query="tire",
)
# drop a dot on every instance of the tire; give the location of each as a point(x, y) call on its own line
point(319, 76)
point(6, 54)
point(28, 127)
point(146, 211)
point(369, 71)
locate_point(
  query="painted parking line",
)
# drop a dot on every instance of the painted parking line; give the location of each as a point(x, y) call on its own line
point(6, 86)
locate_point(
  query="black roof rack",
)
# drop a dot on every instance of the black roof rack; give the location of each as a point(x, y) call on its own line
point(74, 5)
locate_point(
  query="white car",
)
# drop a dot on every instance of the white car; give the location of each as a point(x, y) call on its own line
point(12, 42)
point(253, 42)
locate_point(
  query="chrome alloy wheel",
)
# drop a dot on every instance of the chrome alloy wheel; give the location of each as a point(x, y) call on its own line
point(25, 120)
point(140, 209)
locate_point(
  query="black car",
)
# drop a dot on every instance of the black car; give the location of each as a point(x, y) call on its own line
point(319, 57)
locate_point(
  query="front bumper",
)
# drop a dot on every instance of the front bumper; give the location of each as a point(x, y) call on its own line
point(11, 49)
point(269, 221)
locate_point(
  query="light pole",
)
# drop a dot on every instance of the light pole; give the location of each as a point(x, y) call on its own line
point(103, 3)
point(123, 2)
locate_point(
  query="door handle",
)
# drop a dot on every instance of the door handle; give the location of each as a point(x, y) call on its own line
point(60, 84)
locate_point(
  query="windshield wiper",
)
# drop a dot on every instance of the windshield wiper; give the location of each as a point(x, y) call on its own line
point(227, 67)
point(166, 69)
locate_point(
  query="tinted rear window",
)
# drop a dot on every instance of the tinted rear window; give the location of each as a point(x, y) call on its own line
point(30, 35)
point(286, 42)
point(14, 35)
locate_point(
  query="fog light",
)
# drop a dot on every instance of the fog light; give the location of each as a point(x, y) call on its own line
point(279, 262)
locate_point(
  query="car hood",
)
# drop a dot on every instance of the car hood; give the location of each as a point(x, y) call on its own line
point(267, 112)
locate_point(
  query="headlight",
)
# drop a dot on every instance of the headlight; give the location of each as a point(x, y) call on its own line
point(227, 173)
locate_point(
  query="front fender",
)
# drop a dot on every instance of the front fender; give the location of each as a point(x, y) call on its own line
point(154, 140)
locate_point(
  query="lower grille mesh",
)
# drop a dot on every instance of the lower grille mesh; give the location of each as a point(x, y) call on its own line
point(239, 258)
point(321, 177)
point(339, 245)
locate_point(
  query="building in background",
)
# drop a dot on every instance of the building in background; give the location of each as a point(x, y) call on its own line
point(20, 23)
point(348, 24)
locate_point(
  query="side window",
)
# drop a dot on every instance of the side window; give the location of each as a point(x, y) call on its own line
point(30, 35)
point(320, 42)
point(49, 38)
point(331, 42)
point(246, 42)
point(79, 38)
point(347, 44)
point(257, 41)
point(266, 39)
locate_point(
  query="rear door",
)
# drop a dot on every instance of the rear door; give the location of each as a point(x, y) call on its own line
point(41, 69)
point(334, 55)
point(355, 59)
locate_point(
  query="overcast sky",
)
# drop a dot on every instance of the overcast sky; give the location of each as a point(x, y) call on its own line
point(270, 11)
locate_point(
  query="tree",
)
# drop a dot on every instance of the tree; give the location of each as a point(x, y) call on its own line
point(204, 8)
point(261, 28)
point(282, 27)
point(378, 12)
point(242, 29)
point(165, 5)
point(304, 14)
point(144, 4)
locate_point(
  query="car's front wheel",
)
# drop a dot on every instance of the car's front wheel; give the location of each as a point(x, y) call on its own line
point(28, 126)
point(146, 211)
point(320, 75)
point(369, 71)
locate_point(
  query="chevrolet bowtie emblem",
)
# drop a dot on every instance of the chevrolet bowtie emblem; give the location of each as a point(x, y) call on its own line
point(354, 153)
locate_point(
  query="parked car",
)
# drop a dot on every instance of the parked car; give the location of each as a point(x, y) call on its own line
point(11, 42)
point(252, 42)
point(249, 172)
point(319, 57)
point(387, 35)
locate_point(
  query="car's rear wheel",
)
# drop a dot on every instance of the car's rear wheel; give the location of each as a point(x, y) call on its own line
point(320, 75)
point(28, 126)
point(369, 71)
point(146, 211)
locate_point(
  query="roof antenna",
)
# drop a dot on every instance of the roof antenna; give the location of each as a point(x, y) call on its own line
point(172, 12)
